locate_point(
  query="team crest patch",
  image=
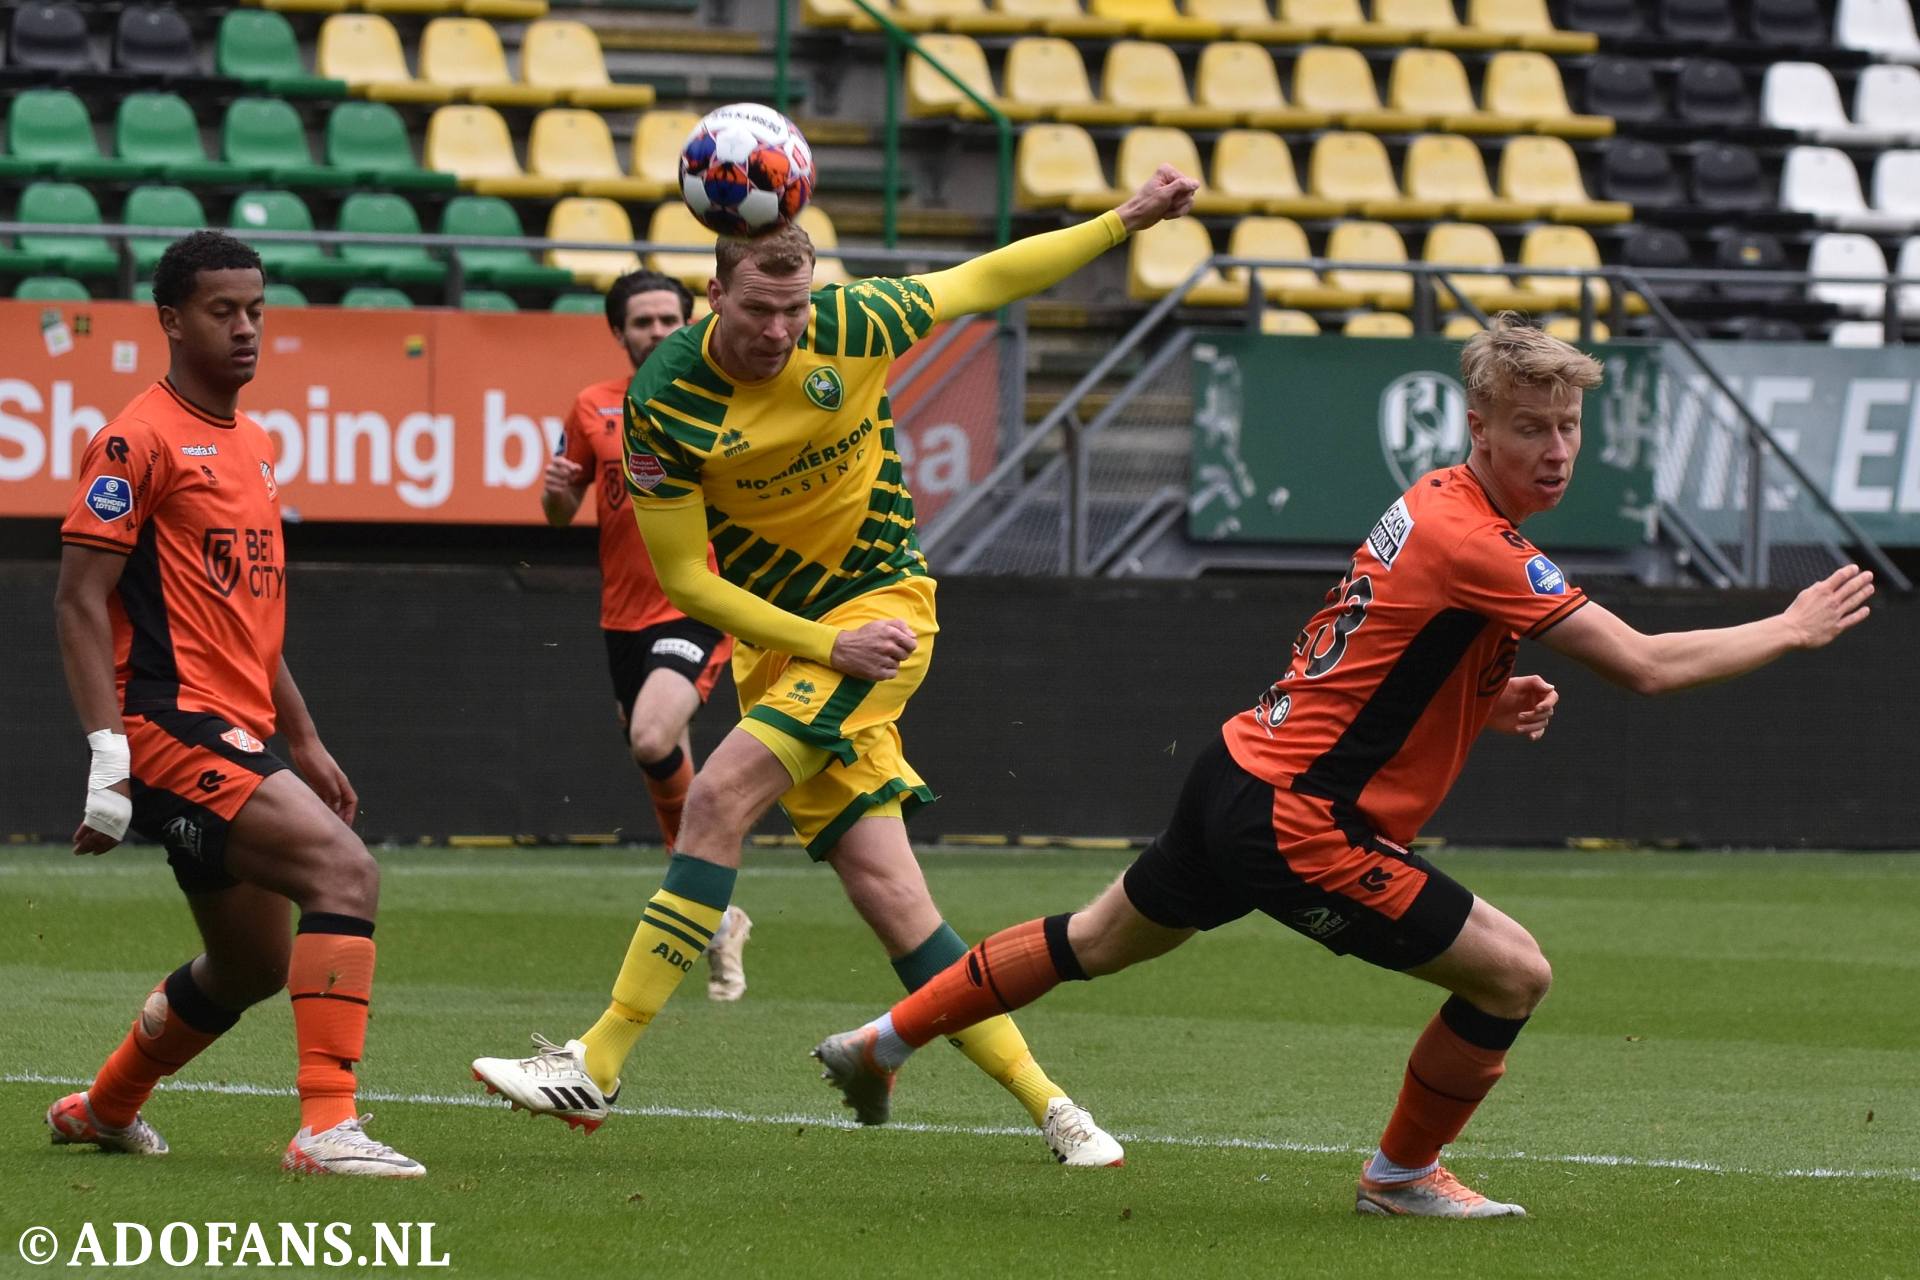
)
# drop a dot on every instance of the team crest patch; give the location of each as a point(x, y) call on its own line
point(824, 389)
point(240, 740)
point(645, 470)
point(110, 498)
point(266, 473)
point(1545, 577)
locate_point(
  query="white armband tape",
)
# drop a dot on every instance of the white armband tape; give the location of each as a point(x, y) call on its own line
point(108, 812)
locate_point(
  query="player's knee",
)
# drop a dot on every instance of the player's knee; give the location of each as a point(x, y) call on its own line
point(1523, 982)
point(716, 810)
point(349, 882)
point(651, 742)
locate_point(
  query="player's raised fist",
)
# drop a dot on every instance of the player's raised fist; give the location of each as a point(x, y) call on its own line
point(1167, 194)
point(563, 474)
point(1831, 606)
point(874, 651)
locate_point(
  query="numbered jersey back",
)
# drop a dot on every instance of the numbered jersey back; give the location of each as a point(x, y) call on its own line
point(1391, 681)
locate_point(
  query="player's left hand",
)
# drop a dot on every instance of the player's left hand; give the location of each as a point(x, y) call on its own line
point(327, 779)
point(1167, 194)
point(1525, 707)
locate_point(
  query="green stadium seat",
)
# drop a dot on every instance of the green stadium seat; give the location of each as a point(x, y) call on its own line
point(385, 212)
point(285, 295)
point(159, 129)
point(580, 304)
point(487, 300)
point(375, 297)
point(159, 207)
point(66, 204)
point(51, 289)
point(270, 210)
point(266, 134)
point(369, 140)
point(504, 268)
point(259, 46)
point(49, 131)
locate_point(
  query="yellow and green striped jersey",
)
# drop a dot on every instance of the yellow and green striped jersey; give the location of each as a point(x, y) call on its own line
point(806, 503)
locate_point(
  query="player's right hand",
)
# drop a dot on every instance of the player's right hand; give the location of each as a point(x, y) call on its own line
point(1833, 605)
point(1167, 194)
point(563, 475)
point(87, 839)
point(874, 651)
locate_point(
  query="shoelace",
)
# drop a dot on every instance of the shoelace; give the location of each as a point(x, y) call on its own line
point(552, 1059)
point(1073, 1123)
point(359, 1140)
point(1451, 1188)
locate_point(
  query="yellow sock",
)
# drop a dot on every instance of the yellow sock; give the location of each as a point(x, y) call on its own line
point(674, 930)
point(997, 1048)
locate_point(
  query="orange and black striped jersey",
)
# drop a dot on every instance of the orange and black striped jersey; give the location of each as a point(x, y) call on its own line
point(1395, 677)
point(200, 610)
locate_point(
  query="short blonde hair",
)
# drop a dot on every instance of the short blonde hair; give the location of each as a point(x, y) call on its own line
point(1511, 353)
point(786, 250)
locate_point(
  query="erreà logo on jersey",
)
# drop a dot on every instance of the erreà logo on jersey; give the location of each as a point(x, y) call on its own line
point(823, 388)
point(110, 498)
point(1546, 578)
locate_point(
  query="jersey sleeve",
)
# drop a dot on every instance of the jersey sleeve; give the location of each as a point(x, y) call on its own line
point(123, 476)
point(1500, 575)
point(884, 316)
point(662, 457)
point(576, 438)
point(1021, 269)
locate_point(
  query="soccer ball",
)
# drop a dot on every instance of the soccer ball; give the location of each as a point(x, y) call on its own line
point(745, 170)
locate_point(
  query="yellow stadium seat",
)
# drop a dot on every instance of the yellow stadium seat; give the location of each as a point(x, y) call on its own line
point(414, 7)
point(673, 224)
point(1460, 328)
point(1561, 247)
point(1160, 259)
point(1432, 83)
point(464, 55)
point(1434, 22)
point(819, 228)
point(1248, 20)
point(1340, 21)
point(1281, 239)
point(1338, 81)
point(590, 218)
point(931, 94)
point(505, 10)
point(1147, 147)
point(364, 50)
point(574, 146)
point(305, 6)
point(565, 56)
point(1370, 242)
point(1056, 164)
point(658, 137)
point(1353, 168)
point(1239, 76)
point(1528, 85)
point(1255, 164)
point(1468, 244)
point(1377, 324)
point(970, 17)
point(1543, 171)
point(844, 13)
point(1285, 323)
point(1528, 24)
point(1045, 75)
point(471, 143)
point(1062, 18)
point(1155, 19)
point(1146, 78)
point(1567, 329)
point(1448, 168)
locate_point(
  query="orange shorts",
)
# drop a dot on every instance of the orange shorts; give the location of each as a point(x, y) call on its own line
point(192, 773)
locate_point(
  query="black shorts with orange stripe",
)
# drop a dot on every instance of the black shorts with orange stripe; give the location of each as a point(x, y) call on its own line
point(1238, 844)
point(192, 773)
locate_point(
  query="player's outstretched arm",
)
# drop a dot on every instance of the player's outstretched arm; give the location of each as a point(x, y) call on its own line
point(87, 579)
point(1037, 263)
point(315, 762)
point(1682, 659)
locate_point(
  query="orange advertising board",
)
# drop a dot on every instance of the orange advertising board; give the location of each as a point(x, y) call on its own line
point(397, 416)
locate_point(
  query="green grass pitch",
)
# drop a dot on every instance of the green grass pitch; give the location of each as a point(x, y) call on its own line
point(1724, 1082)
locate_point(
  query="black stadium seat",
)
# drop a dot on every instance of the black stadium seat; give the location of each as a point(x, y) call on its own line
point(1709, 91)
point(1663, 248)
point(1742, 251)
point(1624, 88)
point(1788, 24)
point(49, 37)
point(1616, 19)
point(1764, 329)
point(1640, 174)
point(1727, 176)
point(1699, 20)
point(154, 40)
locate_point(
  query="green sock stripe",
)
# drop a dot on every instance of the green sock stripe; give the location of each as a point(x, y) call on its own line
point(647, 918)
point(671, 914)
point(917, 967)
point(707, 883)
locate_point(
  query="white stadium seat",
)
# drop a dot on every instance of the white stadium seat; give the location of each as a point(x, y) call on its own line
point(1887, 101)
point(1908, 265)
point(1896, 184)
point(1845, 253)
point(1803, 97)
point(1884, 27)
point(1823, 182)
point(1858, 333)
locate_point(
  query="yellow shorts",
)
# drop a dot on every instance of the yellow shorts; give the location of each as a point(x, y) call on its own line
point(837, 735)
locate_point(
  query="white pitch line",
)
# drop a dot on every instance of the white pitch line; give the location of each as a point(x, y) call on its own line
point(1007, 1131)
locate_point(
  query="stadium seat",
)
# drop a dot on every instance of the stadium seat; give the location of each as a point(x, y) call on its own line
point(1240, 77)
point(1370, 242)
point(1146, 147)
point(266, 135)
point(384, 213)
point(51, 289)
point(1803, 97)
point(1708, 91)
point(1764, 329)
point(1281, 239)
point(49, 132)
point(504, 267)
point(1338, 81)
point(463, 55)
point(1543, 171)
point(487, 300)
point(1155, 19)
point(1907, 265)
point(1459, 328)
point(1841, 253)
point(1845, 333)
point(1448, 169)
point(1562, 247)
point(969, 17)
point(1726, 176)
point(1664, 249)
point(1639, 174)
point(931, 94)
point(259, 47)
point(1160, 259)
point(1340, 21)
point(65, 204)
point(49, 37)
point(1883, 27)
point(1282, 322)
point(1739, 253)
point(505, 10)
point(593, 218)
point(1527, 85)
point(575, 147)
point(1787, 24)
point(1055, 164)
point(1698, 21)
point(693, 267)
point(306, 6)
point(1045, 76)
point(658, 137)
point(471, 143)
point(364, 50)
point(1528, 24)
point(153, 39)
point(375, 297)
point(1431, 83)
point(564, 56)
point(369, 141)
point(1611, 19)
point(1567, 329)
point(819, 228)
point(159, 207)
point(159, 131)
point(416, 8)
point(1886, 100)
point(580, 304)
point(1256, 165)
point(1248, 20)
point(1434, 23)
point(1896, 184)
point(1061, 18)
point(1377, 324)
point(843, 13)
point(1468, 244)
point(1353, 169)
point(1624, 89)
point(1823, 182)
point(269, 210)
point(1145, 78)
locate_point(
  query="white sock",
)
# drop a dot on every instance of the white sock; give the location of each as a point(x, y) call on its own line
point(889, 1050)
point(1381, 1169)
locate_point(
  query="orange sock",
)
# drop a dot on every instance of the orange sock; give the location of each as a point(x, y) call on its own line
point(330, 982)
point(174, 1025)
point(668, 790)
point(1455, 1063)
point(1007, 971)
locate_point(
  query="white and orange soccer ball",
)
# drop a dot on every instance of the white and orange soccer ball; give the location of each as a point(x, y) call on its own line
point(745, 169)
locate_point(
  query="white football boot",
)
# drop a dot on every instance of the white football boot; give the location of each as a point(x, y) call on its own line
point(73, 1122)
point(553, 1082)
point(726, 975)
point(1077, 1141)
point(347, 1148)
